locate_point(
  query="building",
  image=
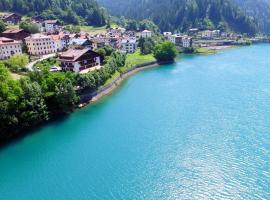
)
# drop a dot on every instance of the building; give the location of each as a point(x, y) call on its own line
point(187, 42)
point(207, 34)
point(128, 45)
point(176, 39)
point(167, 34)
point(52, 26)
point(57, 42)
point(146, 34)
point(9, 47)
point(39, 44)
point(76, 60)
point(12, 18)
point(78, 42)
point(15, 34)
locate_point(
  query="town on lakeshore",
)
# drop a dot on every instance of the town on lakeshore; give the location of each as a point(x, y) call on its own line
point(59, 66)
point(77, 51)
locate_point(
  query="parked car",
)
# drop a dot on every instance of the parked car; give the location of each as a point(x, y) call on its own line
point(55, 69)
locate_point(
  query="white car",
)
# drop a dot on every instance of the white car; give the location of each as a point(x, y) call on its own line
point(55, 69)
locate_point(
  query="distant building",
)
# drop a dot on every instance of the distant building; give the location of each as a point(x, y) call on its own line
point(146, 34)
point(12, 18)
point(187, 42)
point(76, 60)
point(9, 47)
point(15, 34)
point(39, 44)
point(128, 45)
point(193, 31)
point(52, 26)
point(207, 34)
point(78, 42)
point(167, 34)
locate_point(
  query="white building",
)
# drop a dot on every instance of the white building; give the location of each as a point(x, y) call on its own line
point(39, 44)
point(146, 34)
point(52, 26)
point(186, 42)
point(207, 34)
point(9, 47)
point(167, 34)
point(128, 45)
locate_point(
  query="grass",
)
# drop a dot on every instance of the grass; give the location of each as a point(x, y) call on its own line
point(202, 50)
point(16, 76)
point(137, 58)
point(132, 60)
point(92, 30)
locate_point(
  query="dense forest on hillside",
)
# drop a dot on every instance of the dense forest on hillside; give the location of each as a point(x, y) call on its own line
point(259, 9)
point(180, 15)
point(75, 11)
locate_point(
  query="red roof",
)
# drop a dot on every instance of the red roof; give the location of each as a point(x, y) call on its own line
point(4, 40)
point(13, 31)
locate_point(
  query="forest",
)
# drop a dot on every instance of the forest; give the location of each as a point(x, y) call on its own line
point(180, 15)
point(73, 12)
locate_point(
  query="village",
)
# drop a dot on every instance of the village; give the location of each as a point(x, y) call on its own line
point(78, 51)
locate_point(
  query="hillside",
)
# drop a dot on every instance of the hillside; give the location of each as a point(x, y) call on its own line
point(180, 15)
point(259, 9)
point(75, 11)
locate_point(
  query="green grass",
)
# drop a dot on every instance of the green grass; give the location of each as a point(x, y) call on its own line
point(114, 76)
point(92, 30)
point(137, 58)
point(202, 50)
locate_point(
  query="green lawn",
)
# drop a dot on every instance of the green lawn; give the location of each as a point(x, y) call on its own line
point(137, 58)
point(92, 30)
point(204, 51)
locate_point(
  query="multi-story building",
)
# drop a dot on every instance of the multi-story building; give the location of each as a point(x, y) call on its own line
point(76, 60)
point(52, 26)
point(187, 42)
point(146, 34)
point(167, 34)
point(128, 45)
point(207, 34)
point(9, 47)
point(39, 44)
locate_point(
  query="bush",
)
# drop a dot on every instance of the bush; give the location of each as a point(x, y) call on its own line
point(165, 51)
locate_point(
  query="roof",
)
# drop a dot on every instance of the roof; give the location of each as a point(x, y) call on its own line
point(146, 31)
point(51, 21)
point(13, 31)
point(4, 40)
point(78, 41)
point(10, 14)
point(73, 54)
point(38, 36)
point(128, 41)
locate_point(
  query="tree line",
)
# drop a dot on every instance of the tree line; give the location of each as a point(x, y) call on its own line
point(71, 12)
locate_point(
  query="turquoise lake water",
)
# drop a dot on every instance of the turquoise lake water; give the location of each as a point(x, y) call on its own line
point(196, 129)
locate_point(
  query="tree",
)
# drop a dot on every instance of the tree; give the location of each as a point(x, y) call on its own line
point(165, 51)
point(30, 27)
point(32, 107)
point(2, 26)
point(17, 62)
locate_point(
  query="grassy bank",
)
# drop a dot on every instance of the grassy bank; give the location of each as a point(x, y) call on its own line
point(203, 50)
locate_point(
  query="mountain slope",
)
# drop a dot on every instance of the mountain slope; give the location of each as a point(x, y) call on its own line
point(183, 14)
point(70, 11)
point(259, 9)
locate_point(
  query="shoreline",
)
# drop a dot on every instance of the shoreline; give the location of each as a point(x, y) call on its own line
point(93, 97)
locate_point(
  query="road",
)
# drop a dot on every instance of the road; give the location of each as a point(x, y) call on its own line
point(44, 57)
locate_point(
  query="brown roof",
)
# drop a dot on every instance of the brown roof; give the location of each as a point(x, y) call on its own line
point(73, 54)
point(13, 31)
point(4, 40)
point(51, 21)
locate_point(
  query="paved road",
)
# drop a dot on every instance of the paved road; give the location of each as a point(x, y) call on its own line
point(44, 57)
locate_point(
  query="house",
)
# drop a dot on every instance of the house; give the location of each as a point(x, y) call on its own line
point(112, 33)
point(128, 45)
point(15, 34)
point(78, 42)
point(57, 42)
point(76, 60)
point(38, 18)
point(12, 18)
point(176, 39)
point(9, 47)
point(146, 34)
point(39, 44)
point(97, 43)
point(193, 31)
point(52, 26)
point(167, 34)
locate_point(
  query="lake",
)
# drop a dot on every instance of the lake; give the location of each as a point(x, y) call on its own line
point(195, 129)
